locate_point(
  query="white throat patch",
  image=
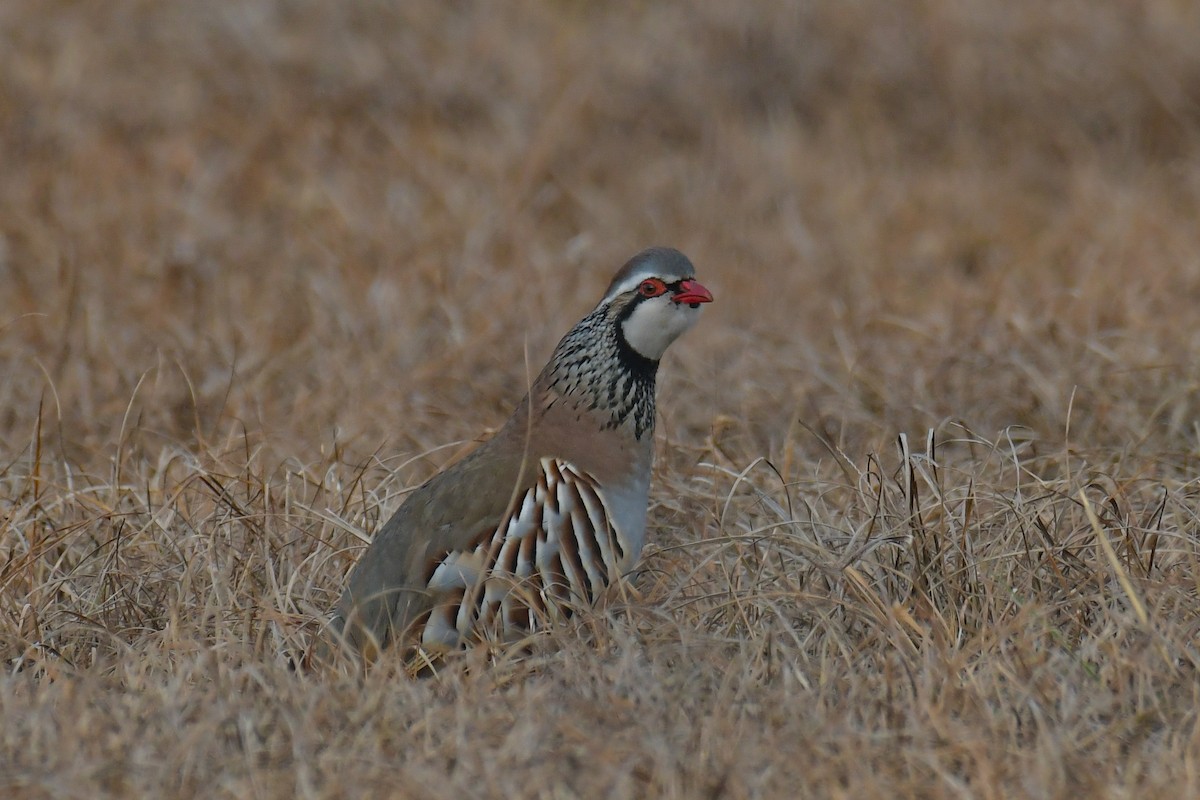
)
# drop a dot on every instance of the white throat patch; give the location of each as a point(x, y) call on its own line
point(655, 323)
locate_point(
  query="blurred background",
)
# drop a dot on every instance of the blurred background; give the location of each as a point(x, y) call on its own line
point(266, 264)
point(346, 224)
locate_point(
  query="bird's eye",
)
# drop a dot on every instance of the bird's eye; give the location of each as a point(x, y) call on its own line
point(652, 288)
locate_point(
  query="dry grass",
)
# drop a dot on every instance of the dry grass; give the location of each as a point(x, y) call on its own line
point(264, 266)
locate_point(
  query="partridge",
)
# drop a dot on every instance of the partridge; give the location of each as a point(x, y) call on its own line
point(547, 514)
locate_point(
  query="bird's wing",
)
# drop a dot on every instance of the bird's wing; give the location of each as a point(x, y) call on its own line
point(388, 588)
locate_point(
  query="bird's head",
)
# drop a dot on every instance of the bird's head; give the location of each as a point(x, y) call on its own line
point(655, 297)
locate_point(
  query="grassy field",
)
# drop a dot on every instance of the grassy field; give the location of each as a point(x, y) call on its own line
point(926, 513)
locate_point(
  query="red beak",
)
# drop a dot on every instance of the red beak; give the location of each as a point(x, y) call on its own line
point(693, 293)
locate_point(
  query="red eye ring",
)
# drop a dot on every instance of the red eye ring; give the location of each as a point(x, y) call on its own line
point(651, 287)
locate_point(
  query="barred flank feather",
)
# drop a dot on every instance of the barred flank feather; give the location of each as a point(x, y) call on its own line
point(558, 550)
